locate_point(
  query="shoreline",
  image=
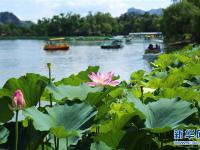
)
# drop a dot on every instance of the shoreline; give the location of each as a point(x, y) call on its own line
point(69, 38)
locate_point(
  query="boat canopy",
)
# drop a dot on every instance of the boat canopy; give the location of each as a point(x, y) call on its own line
point(57, 39)
point(116, 39)
point(146, 33)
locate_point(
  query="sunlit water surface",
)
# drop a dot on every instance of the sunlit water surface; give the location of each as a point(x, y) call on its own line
point(18, 57)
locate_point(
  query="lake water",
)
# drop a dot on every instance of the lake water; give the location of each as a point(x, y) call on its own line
point(17, 57)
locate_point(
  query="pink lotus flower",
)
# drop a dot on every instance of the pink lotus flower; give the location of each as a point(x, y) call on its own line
point(102, 79)
point(18, 102)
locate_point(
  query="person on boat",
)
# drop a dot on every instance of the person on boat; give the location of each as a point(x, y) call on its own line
point(158, 48)
point(150, 47)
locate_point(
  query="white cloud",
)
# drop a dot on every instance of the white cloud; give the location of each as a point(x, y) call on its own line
point(35, 9)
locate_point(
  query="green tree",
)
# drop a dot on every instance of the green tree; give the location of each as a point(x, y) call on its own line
point(180, 20)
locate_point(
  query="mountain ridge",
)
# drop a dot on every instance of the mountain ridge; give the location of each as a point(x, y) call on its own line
point(10, 18)
point(157, 11)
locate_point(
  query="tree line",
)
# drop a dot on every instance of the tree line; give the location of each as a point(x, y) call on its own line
point(98, 24)
point(180, 21)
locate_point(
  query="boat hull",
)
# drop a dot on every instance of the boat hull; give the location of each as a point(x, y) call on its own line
point(111, 47)
point(151, 56)
point(54, 48)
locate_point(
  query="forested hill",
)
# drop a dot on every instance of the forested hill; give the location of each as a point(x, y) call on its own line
point(7, 17)
point(10, 18)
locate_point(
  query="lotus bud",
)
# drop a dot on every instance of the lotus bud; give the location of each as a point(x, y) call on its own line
point(49, 65)
point(18, 102)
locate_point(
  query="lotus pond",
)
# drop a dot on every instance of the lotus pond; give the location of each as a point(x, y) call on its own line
point(98, 111)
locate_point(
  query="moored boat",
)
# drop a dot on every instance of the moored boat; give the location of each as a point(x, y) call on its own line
point(56, 44)
point(112, 44)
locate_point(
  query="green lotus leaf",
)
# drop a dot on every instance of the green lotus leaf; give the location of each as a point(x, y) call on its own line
point(32, 86)
point(29, 137)
point(174, 79)
point(149, 97)
point(62, 120)
point(5, 113)
point(138, 140)
point(117, 92)
point(193, 69)
point(120, 114)
point(111, 138)
point(164, 60)
point(64, 142)
point(155, 82)
point(4, 133)
point(81, 77)
point(137, 76)
point(170, 113)
point(71, 92)
point(164, 113)
point(99, 146)
point(136, 91)
point(195, 81)
point(61, 132)
point(161, 75)
point(172, 60)
point(98, 99)
point(182, 92)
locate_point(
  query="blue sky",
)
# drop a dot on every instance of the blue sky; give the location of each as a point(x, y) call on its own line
point(36, 9)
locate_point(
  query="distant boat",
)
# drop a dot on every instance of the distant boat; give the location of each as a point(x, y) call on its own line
point(128, 40)
point(152, 52)
point(56, 44)
point(114, 43)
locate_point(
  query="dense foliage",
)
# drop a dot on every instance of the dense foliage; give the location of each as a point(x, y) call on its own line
point(181, 21)
point(92, 24)
point(139, 114)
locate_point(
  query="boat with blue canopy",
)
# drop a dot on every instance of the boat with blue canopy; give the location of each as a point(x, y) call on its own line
point(113, 43)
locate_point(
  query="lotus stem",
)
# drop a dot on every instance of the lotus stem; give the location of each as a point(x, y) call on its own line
point(198, 108)
point(198, 113)
point(49, 68)
point(97, 129)
point(55, 142)
point(104, 89)
point(161, 141)
point(196, 104)
point(50, 98)
point(39, 103)
point(142, 92)
point(58, 141)
point(42, 146)
point(67, 143)
point(16, 130)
